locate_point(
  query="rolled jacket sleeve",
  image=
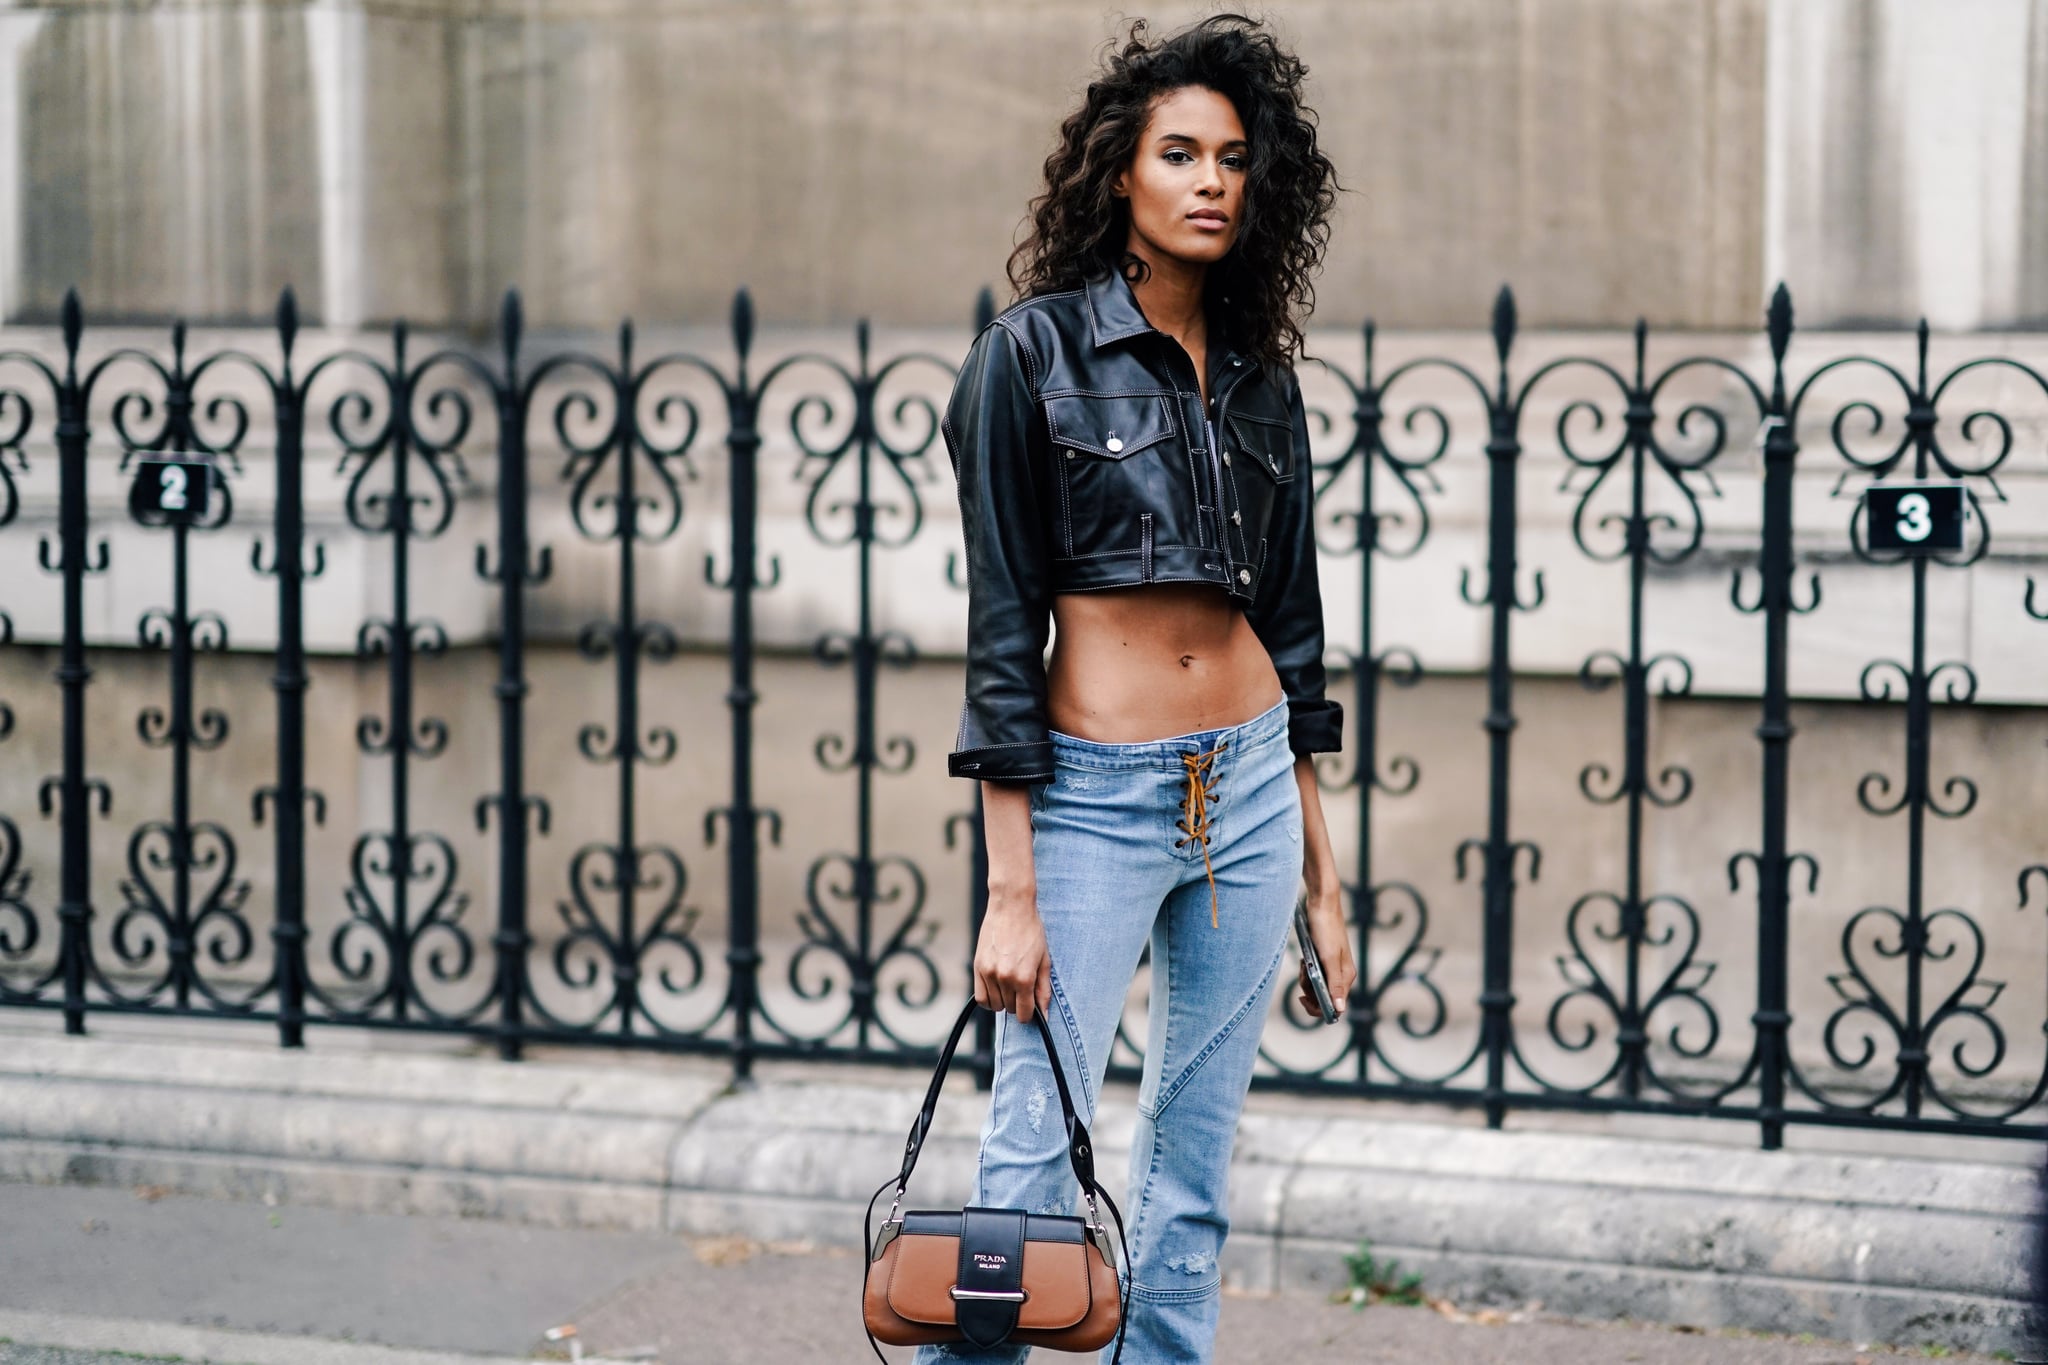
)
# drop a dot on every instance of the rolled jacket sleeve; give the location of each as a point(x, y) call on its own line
point(1288, 613)
point(990, 434)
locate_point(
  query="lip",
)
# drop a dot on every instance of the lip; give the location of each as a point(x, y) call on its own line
point(1211, 220)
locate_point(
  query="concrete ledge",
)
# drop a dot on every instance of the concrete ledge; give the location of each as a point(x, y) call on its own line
point(1901, 1250)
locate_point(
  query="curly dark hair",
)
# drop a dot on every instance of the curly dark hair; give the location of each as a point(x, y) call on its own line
point(1080, 230)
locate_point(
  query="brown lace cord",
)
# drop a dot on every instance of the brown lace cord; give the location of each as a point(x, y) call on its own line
point(1195, 823)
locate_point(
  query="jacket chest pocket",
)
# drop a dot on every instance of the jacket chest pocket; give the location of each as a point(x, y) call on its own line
point(1260, 459)
point(1112, 454)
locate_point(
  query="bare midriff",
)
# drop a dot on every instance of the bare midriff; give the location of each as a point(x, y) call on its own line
point(1144, 663)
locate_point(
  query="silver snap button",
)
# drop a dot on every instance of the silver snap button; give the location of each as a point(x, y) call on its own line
point(1114, 445)
point(1234, 361)
point(1070, 454)
point(1226, 457)
point(1237, 518)
point(1244, 575)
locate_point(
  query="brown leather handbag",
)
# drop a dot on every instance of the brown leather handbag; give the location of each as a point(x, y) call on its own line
point(984, 1277)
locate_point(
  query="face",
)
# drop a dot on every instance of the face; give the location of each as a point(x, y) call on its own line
point(1185, 186)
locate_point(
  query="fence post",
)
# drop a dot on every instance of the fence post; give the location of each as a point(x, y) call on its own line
point(1503, 453)
point(1772, 1019)
point(1365, 705)
point(288, 807)
point(74, 907)
point(743, 850)
point(514, 573)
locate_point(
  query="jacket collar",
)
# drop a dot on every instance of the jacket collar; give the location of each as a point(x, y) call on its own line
point(1113, 312)
point(1114, 315)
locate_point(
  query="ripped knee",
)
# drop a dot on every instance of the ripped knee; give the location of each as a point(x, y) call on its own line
point(1180, 1278)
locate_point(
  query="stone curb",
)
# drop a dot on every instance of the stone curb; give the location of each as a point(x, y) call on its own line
point(1902, 1250)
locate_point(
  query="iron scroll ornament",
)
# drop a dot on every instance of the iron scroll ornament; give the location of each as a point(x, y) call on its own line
point(864, 913)
point(1924, 944)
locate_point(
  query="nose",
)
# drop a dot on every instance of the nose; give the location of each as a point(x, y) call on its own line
point(1211, 183)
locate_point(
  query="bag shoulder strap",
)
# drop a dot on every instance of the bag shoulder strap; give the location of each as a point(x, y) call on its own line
point(1080, 1147)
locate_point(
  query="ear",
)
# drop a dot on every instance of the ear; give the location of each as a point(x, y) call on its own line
point(1120, 188)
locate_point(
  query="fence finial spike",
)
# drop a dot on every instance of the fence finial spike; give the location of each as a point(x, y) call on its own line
point(1504, 322)
point(178, 343)
point(74, 321)
point(287, 319)
point(1778, 320)
point(743, 321)
point(984, 309)
point(511, 322)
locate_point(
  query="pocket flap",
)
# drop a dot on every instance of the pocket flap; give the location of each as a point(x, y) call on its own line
point(1113, 427)
point(1270, 444)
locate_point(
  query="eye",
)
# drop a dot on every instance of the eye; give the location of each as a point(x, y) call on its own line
point(1236, 161)
point(1178, 155)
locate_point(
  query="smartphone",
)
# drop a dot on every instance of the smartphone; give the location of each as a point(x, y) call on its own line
point(1317, 982)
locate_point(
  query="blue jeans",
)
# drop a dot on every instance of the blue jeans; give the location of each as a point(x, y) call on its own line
point(1116, 866)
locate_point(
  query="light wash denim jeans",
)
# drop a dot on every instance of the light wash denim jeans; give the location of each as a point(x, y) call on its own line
point(1110, 878)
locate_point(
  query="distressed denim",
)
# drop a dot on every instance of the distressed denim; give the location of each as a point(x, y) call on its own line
point(1116, 870)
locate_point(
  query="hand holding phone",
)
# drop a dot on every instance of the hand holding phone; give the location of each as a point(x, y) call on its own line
point(1312, 963)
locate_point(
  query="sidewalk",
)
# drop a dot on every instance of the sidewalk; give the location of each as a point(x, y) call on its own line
point(235, 1281)
point(1673, 1221)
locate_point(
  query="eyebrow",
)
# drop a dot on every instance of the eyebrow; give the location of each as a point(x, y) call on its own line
point(1196, 142)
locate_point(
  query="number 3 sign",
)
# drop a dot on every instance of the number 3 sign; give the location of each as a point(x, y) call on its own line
point(168, 490)
point(1915, 518)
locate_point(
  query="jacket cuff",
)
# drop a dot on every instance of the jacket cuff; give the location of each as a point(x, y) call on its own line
point(1025, 761)
point(1315, 725)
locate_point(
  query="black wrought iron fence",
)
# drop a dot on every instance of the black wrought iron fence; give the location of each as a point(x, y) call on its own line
point(1911, 1041)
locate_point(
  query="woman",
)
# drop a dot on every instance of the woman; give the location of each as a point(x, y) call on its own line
point(1133, 467)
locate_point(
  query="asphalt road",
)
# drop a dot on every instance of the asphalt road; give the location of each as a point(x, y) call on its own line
point(494, 1289)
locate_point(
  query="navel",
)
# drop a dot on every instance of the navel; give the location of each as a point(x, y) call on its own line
point(1187, 660)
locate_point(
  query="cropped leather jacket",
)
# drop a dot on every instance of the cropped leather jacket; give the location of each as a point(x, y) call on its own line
point(1084, 459)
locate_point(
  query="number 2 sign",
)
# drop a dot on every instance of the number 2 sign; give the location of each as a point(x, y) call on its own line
point(168, 489)
point(1915, 518)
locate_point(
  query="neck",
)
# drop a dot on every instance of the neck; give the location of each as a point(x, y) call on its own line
point(1170, 295)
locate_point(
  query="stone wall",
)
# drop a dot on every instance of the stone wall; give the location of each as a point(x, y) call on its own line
point(1613, 158)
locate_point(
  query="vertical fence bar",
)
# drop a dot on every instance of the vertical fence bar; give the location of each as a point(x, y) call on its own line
point(288, 806)
point(1772, 1018)
point(400, 675)
point(1363, 1006)
point(1503, 453)
point(1919, 722)
point(628, 648)
point(74, 908)
point(180, 947)
point(743, 849)
point(865, 662)
point(1632, 1036)
point(512, 939)
point(977, 886)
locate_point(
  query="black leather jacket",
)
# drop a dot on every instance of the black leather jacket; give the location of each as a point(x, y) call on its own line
point(1084, 460)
